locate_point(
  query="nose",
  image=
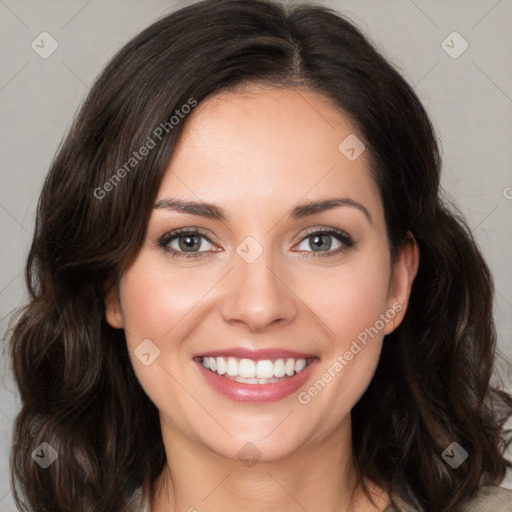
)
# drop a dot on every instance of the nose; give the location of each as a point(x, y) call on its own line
point(258, 295)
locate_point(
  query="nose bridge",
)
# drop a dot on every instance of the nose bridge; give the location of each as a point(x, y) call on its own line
point(256, 293)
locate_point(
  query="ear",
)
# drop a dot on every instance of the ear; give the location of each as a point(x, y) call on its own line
point(404, 272)
point(113, 312)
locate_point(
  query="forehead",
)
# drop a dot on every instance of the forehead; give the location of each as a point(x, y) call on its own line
point(270, 115)
point(259, 145)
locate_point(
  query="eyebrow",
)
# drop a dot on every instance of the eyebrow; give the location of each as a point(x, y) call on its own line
point(214, 212)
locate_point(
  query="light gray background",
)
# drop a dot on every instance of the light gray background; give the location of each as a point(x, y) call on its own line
point(469, 99)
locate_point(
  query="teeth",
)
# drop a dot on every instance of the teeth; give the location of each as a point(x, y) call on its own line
point(264, 369)
point(232, 367)
point(247, 369)
point(289, 367)
point(221, 366)
point(254, 381)
point(254, 372)
point(300, 364)
point(279, 369)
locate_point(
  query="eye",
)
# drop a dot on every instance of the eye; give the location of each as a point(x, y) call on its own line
point(321, 242)
point(187, 242)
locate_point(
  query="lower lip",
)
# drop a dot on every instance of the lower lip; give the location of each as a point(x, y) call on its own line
point(257, 393)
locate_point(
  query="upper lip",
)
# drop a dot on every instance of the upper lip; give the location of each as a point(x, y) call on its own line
point(256, 353)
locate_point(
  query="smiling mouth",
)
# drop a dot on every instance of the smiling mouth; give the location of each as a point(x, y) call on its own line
point(249, 371)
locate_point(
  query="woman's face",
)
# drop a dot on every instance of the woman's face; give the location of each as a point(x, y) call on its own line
point(262, 278)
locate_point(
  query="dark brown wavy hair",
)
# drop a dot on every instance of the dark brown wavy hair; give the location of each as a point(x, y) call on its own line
point(77, 387)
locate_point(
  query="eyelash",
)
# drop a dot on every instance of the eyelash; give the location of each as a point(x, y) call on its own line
point(341, 236)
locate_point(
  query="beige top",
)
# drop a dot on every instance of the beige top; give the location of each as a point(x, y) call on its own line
point(488, 499)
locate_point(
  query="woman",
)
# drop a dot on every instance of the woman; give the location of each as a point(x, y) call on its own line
point(190, 345)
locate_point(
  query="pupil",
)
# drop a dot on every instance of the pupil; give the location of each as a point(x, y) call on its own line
point(322, 238)
point(189, 244)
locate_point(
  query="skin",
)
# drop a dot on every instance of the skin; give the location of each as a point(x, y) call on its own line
point(257, 153)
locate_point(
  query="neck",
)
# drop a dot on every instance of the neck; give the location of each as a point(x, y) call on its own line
point(319, 476)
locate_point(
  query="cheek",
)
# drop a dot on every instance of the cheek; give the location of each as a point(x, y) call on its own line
point(164, 305)
point(352, 307)
point(351, 298)
point(157, 305)
point(155, 301)
point(352, 310)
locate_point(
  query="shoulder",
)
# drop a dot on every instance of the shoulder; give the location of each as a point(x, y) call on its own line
point(488, 499)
